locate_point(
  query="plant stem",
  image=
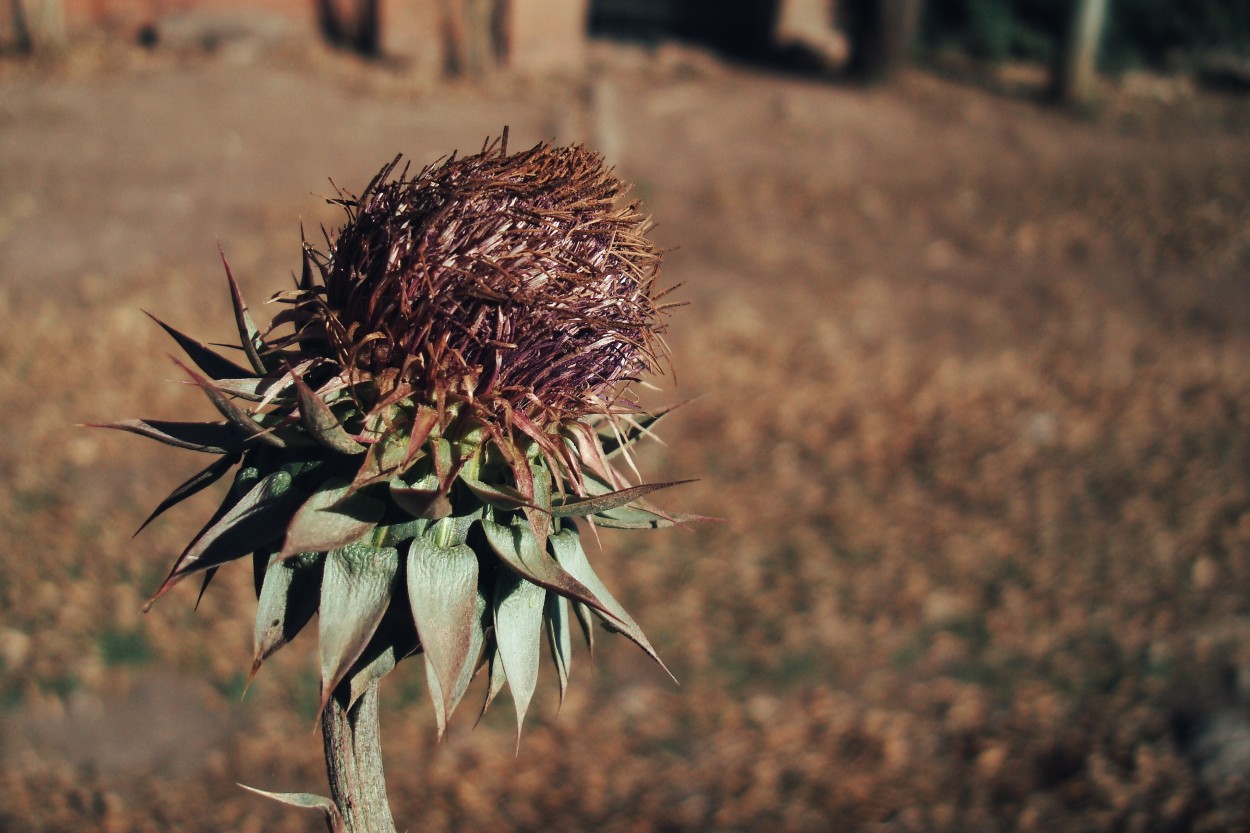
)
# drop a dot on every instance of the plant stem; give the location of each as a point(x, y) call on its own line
point(354, 763)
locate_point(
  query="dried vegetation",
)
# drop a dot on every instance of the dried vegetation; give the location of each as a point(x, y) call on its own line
point(980, 436)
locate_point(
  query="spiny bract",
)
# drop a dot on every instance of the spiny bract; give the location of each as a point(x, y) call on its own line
point(444, 392)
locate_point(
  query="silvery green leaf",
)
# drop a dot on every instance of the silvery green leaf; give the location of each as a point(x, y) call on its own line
point(567, 547)
point(559, 637)
point(578, 506)
point(539, 515)
point(518, 633)
point(497, 677)
point(372, 671)
point(331, 518)
point(288, 598)
point(206, 437)
point(306, 801)
point(232, 412)
point(499, 495)
point(442, 590)
point(394, 639)
point(206, 359)
point(356, 588)
point(517, 547)
point(255, 520)
point(249, 337)
point(193, 485)
point(587, 621)
point(476, 650)
point(320, 421)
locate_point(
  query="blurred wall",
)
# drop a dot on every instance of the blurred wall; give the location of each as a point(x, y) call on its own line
point(542, 36)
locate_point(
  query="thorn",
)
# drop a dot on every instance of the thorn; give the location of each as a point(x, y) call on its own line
point(256, 663)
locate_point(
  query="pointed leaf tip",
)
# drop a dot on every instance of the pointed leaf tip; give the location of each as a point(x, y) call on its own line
point(574, 506)
point(356, 588)
point(236, 415)
point(237, 529)
point(288, 598)
point(330, 519)
point(193, 485)
point(205, 437)
point(206, 359)
point(321, 422)
point(443, 594)
point(249, 336)
point(518, 617)
point(567, 547)
point(307, 801)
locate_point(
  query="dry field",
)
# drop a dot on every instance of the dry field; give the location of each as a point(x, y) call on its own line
point(973, 385)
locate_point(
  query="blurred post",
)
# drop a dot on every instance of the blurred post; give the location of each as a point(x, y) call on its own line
point(38, 25)
point(804, 31)
point(529, 36)
point(354, 25)
point(475, 36)
point(883, 36)
point(1076, 74)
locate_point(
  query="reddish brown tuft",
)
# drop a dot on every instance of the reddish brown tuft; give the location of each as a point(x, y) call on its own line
point(520, 284)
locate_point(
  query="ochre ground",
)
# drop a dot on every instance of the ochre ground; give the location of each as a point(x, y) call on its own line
point(973, 393)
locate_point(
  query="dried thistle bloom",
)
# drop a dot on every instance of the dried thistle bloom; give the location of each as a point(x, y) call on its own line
point(444, 393)
point(515, 284)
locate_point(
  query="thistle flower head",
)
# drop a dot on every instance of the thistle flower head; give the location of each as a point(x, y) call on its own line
point(419, 433)
point(511, 284)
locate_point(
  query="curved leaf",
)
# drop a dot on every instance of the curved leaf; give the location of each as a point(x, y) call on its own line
point(321, 422)
point(559, 637)
point(587, 621)
point(252, 388)
point(230, 411)
point(255, 520)
point(206, 359)
point(567, 547)
point(517, 547)
point(575, 506)
point(288, 598)
point(442, 590)
point(330, 519)
point(498, 495)
point(249, 337)
point(445, 704)
point(207, 437)
point(394, 639)
point(356, 589)
point(193, 485)
point(497, 677)
point(518, 633)
point(306, 801)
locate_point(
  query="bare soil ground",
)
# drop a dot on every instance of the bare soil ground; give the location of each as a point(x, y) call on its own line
point(974, 396)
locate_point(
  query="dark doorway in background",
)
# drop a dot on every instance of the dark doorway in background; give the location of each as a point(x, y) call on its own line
point(741, 28)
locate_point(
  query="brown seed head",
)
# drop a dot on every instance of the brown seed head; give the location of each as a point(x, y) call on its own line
point(515, 283)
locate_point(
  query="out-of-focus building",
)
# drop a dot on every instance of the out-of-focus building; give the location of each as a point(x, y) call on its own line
point(455, 35)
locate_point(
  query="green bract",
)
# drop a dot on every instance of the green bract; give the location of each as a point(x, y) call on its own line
point(413, 457)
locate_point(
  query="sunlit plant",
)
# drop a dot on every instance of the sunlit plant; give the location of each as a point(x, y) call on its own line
point(419, 440)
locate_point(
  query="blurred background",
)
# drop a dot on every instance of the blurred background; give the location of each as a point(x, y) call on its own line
point(967, 334)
